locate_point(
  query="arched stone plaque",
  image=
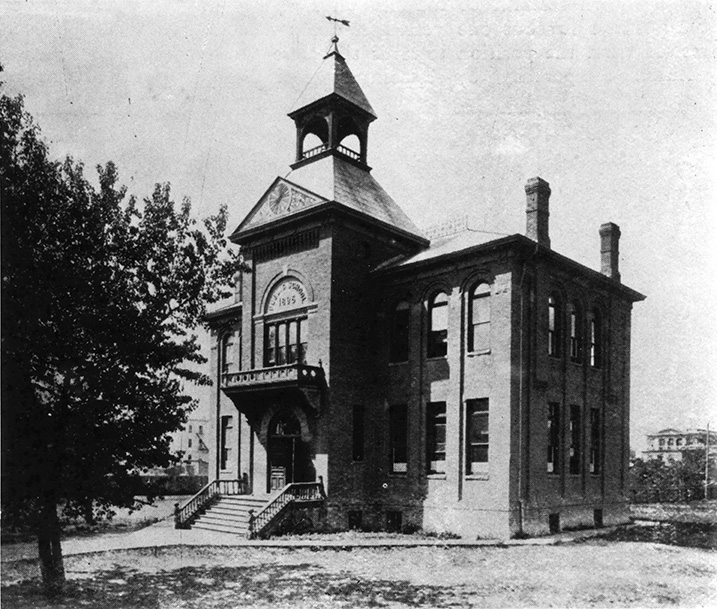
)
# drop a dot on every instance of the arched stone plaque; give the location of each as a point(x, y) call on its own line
point(289, 294)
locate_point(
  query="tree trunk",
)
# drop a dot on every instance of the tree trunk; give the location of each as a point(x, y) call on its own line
point(48, 538)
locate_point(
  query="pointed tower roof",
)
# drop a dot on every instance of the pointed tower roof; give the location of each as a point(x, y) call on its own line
point(334, 174)
point(333, 76)
point(338, 180)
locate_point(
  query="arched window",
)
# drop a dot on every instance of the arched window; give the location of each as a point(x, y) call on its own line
point(438, 325)
point(596, 339)
point(225, 352)
point(576, 334)
point(479, 318)
point(554, 316)
point(399, 332)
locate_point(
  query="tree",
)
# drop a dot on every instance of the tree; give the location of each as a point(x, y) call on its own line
point(101, 295)
point(670, 480)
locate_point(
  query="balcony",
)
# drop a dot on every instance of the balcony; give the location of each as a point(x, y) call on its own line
point(309, 380)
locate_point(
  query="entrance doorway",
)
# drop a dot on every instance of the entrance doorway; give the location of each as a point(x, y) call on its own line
point(289, 459)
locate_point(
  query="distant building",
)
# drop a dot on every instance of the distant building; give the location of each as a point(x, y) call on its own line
point(191, 442)
point(671, 443)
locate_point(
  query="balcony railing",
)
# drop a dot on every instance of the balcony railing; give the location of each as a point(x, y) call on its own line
point(291, 374)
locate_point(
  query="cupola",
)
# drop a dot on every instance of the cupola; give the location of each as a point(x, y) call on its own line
point(332, 115)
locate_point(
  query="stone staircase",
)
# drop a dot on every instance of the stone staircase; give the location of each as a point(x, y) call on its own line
point(226, 506)
point(229, 514)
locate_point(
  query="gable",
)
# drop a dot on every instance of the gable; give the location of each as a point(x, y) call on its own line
point(282, 199)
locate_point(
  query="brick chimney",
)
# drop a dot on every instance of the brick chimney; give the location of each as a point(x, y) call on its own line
point(610, 250)
point(537, 193)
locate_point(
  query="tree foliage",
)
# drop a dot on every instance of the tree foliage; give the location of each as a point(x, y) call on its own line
point(101, 294)
point(659, 480)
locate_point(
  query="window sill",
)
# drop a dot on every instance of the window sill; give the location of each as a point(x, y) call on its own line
point(398, 474)
point(576, 363)
point(436, 358)
point(477, 353)
point(478, 476)
point(436, 475)
point(357, 462)
point(392, 364)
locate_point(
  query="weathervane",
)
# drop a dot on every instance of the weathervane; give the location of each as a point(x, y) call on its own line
point(341, 21)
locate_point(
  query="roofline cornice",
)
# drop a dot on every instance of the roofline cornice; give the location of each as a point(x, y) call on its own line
point(528, 248)
point(225, 312)
point(329, 207)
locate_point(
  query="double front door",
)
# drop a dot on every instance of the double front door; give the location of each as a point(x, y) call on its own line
point(289, 459)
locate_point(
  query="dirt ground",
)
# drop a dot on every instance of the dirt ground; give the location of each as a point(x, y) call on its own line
point(596, 573)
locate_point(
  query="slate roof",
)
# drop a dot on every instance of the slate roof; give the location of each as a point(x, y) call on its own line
point(446, 245)
point(333, 76)
point(338, 180)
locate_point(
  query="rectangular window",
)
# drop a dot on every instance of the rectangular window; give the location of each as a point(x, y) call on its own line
point(553, 326)
point(201, 429)
point(270, 357)
point(476, 436)
point(595, 340)
point(576, 337)
point(436, 437)
point(398, 438)
point(438, 326)
point(281, 344)
point(293, 346)
point(479, 322)
point(189, 443)
point(575, 451)
point(553, 437)
point(226, 425)
point(358, 433)
point(399, 333)
point(303, 336)
point(595, 440)
point(355, 520)
point(285, 343)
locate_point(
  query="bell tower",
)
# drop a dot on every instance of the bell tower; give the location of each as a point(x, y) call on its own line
point(332, 108)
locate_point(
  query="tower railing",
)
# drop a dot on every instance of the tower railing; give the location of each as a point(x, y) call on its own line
point(307, 154)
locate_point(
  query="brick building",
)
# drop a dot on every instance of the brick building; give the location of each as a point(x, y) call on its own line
point(467, 384)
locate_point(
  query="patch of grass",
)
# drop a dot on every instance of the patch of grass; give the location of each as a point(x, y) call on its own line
point(686, 534)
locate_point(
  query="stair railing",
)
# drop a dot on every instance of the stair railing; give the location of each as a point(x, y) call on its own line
point(294, 493)
point(184, 515)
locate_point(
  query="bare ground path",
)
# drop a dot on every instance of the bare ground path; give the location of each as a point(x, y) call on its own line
point(595, 573)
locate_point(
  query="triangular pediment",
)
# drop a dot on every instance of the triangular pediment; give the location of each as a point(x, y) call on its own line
point(282, 199)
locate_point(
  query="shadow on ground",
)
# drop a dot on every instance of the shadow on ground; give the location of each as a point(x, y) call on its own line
point(265, 585)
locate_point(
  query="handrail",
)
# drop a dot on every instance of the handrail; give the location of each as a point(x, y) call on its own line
point(295, 492)
point(183, 515)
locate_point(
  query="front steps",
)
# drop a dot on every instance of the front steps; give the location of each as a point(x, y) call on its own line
point(230, 514)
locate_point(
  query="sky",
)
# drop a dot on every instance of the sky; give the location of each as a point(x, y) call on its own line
point(612, 102)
